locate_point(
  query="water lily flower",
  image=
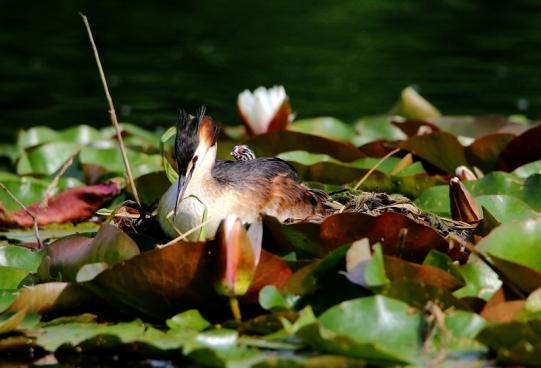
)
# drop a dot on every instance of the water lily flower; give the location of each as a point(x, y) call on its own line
point(264, 110)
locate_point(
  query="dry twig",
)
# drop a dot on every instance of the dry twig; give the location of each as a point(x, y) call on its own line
point(112, 112)
point(54, 183)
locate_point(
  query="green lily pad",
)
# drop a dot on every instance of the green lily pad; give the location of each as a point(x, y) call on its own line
point(528, 169)
point(481, 281)
point(387, 330)
point(11, 277)
point(190, 319)
point(373, 128)
point(325, 126)
point(505, 208)
point(20, 257)
point(47, 158)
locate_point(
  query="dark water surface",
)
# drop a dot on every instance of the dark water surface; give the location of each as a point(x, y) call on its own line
point(342, 58)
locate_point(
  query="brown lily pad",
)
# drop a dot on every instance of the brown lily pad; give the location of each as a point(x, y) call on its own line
point(440, 149)
point(484, 151)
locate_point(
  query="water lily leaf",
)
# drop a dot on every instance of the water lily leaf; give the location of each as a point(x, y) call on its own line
point(411, 126)
point(306, 158)
point(419, 294)
point(442, 261)
point(270, 298)
point(400, 270)
point(373, 128)
point(271, 270)
point(20, 257)
point(528, 169)
point(28, 189)
point(66, 256)
point(47, 158)
point(517, 243)
point(414, 106)
point(160, 282)
point(387, 331)
point(7, 297)
point(521, 150)
point(133, 136)
point(472, 126)
point(90, 270)
point(190, 319)
point(441, 149)
point(343, 228)
point(484, 151)
point(50, 297)
point(71, 205)
point(481, 281)
point(325, 126)
point(436, 199)
point(36, 136)
point(458, 334)
point(151, 186)
point(111, 160)
point(505, 208)
point(273, 143)
point(9, 323)
point(514, 342)
point(11, 277)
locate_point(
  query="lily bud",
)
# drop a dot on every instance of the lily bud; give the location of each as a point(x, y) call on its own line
point(463, 206)
point(237, 257)
point(463, 173)
point(264, 110)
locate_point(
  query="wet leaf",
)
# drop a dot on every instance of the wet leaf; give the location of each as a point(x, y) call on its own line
point(505, 208)
point(386, 332)
point(65, 257)
point(484, 151)
point(515, 248)
point(528, 169)
point(160, 282)
point(481, 281)
point(271, 144)
point(521, 150)
point(71, 205)
point(441, 149)
point(190, 319)
point(343, 228)
point(514, 342)
point(325, 126)
point(373, 128)
point(19, 257)
point(50, 297)
point(47, 158)
point(414, 106)
point(11, 278)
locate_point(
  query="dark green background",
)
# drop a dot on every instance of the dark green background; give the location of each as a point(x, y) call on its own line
point(340, 58)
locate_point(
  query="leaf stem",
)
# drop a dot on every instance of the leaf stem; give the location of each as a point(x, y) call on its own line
point(235, 308)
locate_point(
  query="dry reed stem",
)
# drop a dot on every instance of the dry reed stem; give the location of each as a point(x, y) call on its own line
point(112, 112)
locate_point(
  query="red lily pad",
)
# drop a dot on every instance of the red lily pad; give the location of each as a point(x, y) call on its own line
point(71, 205)
point(521, 150)
point(343, 228)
